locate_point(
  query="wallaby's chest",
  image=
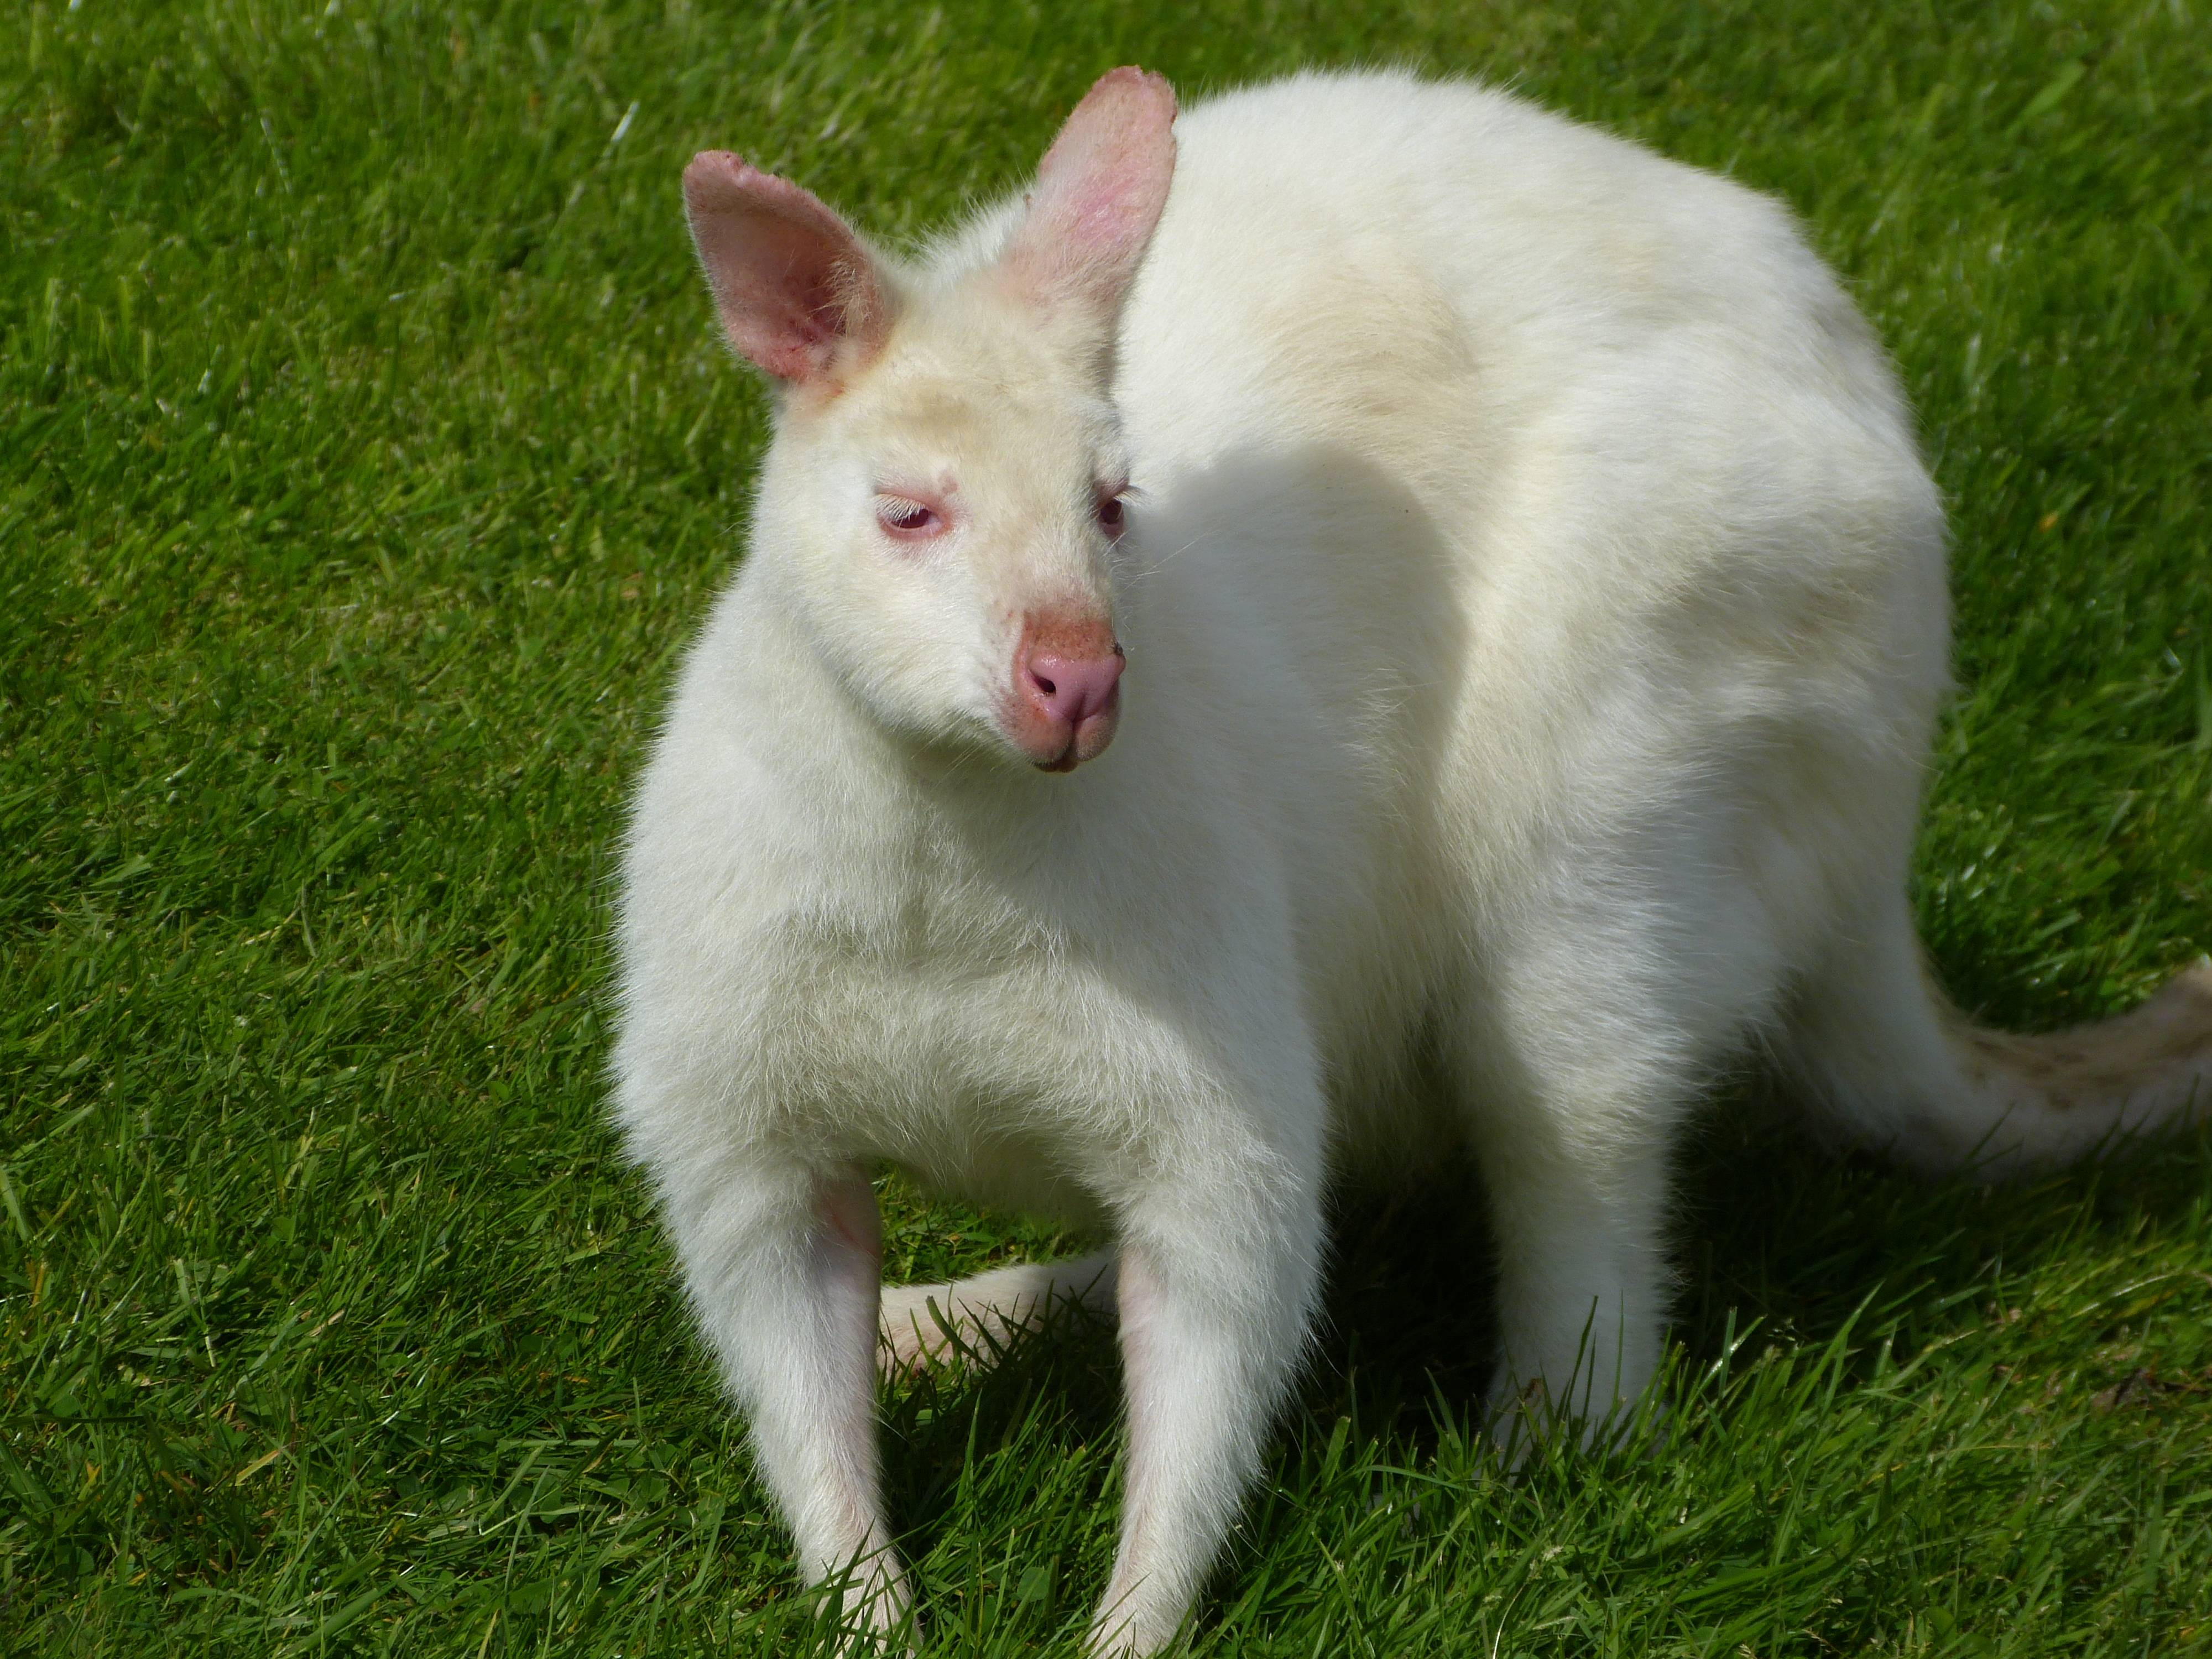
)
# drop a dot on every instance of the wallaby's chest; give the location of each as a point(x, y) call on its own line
point(908, 1017)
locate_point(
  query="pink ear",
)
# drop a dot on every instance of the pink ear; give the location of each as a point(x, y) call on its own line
point(1099, 192)
point(790, 278)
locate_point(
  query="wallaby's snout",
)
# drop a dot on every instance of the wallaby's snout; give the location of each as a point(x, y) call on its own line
point(1066, 692)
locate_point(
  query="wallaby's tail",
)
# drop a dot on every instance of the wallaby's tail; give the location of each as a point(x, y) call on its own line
point(1896, 1066)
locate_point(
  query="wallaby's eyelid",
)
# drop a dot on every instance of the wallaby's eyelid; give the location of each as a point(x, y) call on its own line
point(909, 518)
point(1111, 507)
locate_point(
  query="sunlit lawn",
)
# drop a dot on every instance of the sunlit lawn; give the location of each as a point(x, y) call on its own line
point(366, 456)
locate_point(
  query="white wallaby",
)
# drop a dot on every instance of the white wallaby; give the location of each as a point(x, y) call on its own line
point(1532, 612)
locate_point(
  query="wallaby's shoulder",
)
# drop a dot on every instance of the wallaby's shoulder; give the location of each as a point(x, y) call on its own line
point(1338, 100)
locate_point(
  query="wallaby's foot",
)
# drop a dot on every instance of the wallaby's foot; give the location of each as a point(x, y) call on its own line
point(1518, 1422)
point(972, 1320)
point(875, 1605)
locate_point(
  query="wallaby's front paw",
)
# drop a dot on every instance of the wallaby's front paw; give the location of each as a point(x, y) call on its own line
point(876, 1608)
point(1120, 1639)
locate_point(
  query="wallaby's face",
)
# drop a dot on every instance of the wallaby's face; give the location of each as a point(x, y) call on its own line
point(948, 522)
point(944, 497)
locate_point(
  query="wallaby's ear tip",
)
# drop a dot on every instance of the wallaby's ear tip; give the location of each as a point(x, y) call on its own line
point(1144, 92)
point(714, 177)
point(709, 165)
point(722, 177)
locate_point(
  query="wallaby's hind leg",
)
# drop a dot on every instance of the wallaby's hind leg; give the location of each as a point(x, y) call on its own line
point(974, 1318)
point(1596, 1024)
point(1578, 1189)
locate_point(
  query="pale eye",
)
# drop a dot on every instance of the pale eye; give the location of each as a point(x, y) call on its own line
point(1113, 517)
point(906, 518)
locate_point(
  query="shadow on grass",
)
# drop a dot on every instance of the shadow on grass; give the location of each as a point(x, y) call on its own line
point(1775, 1236)
point(1773, 1227)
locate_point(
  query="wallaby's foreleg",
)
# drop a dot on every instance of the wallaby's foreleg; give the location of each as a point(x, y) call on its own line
point(784, 1266)
point(1215, 1297)
point(974, 1318)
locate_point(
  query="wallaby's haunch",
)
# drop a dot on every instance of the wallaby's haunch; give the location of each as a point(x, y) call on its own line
point(1367, 565)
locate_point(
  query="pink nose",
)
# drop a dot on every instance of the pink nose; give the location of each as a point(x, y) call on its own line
point(1072, 690)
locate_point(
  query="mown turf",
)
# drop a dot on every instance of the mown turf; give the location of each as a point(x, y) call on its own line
point(365, 458)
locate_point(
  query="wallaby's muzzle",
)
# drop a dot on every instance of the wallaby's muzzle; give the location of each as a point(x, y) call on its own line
point(1066, 692)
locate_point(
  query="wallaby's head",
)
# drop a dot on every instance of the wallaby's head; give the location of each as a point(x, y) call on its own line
point(944, 495)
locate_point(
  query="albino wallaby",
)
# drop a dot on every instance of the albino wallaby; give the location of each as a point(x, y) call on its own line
point(1367, 566)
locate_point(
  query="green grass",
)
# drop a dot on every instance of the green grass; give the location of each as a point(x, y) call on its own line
point(365, 458)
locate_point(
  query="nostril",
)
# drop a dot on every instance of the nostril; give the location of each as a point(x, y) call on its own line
point(1074, 689)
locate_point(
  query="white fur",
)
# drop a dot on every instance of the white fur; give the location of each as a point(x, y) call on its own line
point(1535, 620)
